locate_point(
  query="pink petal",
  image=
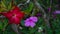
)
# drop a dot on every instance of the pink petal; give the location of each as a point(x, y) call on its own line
point(26, 20)
point(27, 24)
point(32, 24)
point(58, 12)
point(34, 19)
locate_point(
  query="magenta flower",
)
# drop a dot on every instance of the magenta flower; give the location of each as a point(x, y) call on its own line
point(56, 12)
point(30, 22)
point(38, 15)
point(49, 9)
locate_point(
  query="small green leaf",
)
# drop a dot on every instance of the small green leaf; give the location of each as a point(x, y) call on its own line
point(22, 22)
point(29, 9)
point(32, 30)
point(38, 32)
point(5, 22)
point(9, 6)
point(1, 25)
point(2, 3)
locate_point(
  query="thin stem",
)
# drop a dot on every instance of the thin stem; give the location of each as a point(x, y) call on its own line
point(45, 15)
point(24, 3)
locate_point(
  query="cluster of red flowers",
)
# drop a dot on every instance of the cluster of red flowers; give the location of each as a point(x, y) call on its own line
point(14, 16)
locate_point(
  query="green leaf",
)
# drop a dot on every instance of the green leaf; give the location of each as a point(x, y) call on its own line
point(3, 24)
point(40, 22)
point(22, 23)
point(57, 31)
point(2, 3)
point(29, 9)
point(25, 30)
point(9, 30)
point(38, 32)
point(32, 30)
point(9, 6)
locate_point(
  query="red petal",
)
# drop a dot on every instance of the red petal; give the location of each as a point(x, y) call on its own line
point(21, 15)
point(16, 9)
point(7, 14)
point(15, 20)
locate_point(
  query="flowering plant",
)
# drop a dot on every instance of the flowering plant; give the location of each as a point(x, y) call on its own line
point(29, 17)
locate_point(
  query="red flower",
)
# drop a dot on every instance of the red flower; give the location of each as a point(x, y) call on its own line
point(14, 16)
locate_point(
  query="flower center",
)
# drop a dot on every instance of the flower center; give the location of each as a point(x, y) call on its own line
point(30, 20)
point(14, 15)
